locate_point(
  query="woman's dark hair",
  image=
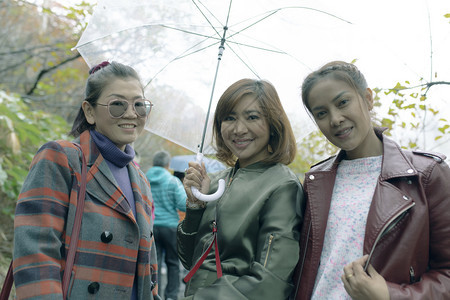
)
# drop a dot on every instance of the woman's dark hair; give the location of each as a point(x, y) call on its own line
point(281, 139)
point(338, 70)
point(99, 77)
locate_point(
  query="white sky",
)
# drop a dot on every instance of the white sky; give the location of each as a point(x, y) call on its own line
point(391, 40)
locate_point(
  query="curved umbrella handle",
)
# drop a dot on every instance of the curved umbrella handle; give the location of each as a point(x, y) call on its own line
point(207, 198)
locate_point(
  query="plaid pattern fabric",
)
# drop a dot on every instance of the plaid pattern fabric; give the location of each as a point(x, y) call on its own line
point(113, 246)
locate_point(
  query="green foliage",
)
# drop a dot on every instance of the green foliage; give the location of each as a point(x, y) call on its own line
point(22, 132)
point(312, 149)
point(410, 109)
point(407, 107)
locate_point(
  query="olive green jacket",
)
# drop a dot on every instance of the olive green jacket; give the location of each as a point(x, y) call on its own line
point(258, 218)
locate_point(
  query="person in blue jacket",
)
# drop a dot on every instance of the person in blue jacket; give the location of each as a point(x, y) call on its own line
point(169, 196)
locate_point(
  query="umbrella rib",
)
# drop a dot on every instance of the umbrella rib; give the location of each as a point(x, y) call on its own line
point(246, 64)
point(256, 47)
point(189, 32)
point(183, 55)
point(143, 26)
point(206, 18)
point(272, 12)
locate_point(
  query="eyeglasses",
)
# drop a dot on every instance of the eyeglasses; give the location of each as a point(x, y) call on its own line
point(118, 107)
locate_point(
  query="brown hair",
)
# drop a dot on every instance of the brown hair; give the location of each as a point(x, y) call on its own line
point(281, 139)
point(338, 70)
point(99, 77)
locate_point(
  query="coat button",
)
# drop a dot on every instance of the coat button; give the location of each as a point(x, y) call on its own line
point(106, 237)
point(93, 287)
point(410, 171)
point(311, 177)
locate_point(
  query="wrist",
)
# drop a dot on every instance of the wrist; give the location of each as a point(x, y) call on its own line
point(195, 204)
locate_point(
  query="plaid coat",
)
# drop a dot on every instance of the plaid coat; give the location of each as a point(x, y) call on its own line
point(113, 245)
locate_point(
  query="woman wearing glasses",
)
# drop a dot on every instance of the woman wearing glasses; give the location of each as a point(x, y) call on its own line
point(115, 256)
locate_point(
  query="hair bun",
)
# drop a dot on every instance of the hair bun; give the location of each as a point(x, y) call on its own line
point(98, 67)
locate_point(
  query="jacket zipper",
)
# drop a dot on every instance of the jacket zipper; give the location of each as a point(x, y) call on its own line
point(300, 273)
point(412, 277)
point(386, 228)
point(268, 249)
point(229, 182)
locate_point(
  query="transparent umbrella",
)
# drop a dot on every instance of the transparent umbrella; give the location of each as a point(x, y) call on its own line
point(180, 163)
point(174, 45)
point(177, 47)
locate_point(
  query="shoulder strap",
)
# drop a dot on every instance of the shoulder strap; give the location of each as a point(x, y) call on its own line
point(7, 284)
point(76, 227)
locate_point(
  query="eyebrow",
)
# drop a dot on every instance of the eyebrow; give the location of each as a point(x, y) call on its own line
point(333, 100)
point(123, 97)
point(247, 112)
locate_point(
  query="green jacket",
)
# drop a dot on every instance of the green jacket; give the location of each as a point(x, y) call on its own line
point(258, 218)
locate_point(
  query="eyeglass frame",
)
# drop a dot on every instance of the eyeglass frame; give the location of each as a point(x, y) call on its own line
point(125, 111)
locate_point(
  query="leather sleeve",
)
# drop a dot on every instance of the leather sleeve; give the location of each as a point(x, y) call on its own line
point(435, 283)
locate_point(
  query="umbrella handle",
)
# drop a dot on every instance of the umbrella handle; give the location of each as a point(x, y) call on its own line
point(207, 198)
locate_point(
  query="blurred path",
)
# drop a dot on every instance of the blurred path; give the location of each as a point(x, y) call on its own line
point(163, 283)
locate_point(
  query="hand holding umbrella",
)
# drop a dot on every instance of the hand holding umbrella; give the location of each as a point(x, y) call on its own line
point(197, 179)
point(203, 197)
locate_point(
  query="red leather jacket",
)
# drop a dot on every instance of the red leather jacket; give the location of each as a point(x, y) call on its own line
point(408, 226)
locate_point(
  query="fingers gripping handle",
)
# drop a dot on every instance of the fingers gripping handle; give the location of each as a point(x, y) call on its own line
point(207, 198)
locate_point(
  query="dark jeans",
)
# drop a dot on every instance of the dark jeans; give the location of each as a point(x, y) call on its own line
point(166, 244)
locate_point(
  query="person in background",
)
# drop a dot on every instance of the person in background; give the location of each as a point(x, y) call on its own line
point(252, 230)
point(169, 196)
point(116, 257)
point(377, 221)
point(181, 213)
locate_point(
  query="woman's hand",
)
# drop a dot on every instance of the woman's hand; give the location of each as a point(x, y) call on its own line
point(362, 285)
point(196, 176)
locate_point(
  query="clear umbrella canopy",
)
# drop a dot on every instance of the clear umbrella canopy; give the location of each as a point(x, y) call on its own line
point(180, 163)
point(174, 45)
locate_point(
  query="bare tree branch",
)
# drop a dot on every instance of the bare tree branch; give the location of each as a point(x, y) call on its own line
point(428, 85)
point(44, 71)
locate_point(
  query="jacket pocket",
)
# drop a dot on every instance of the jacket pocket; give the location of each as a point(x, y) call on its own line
point(280, 254)
point(268, 248)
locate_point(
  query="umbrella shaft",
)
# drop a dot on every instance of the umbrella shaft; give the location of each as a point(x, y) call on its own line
point(219, 58)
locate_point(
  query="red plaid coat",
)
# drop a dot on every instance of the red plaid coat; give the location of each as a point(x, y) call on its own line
point(113, 246)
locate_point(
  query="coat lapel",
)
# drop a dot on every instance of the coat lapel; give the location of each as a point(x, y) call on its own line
point(101, 184)
point(319, 195)
point(388, 200)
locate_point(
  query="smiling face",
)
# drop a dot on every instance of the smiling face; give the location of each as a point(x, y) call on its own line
point(343, 117)
point(124, 130)
point(245, 132)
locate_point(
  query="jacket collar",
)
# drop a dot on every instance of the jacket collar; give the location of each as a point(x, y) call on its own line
point(395, 163)
point(90, 149)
